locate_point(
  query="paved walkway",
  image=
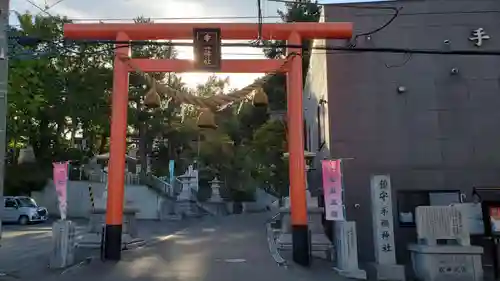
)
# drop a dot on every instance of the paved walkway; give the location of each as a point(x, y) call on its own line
point(26, 246)
point(25, 250)
point(217, 249)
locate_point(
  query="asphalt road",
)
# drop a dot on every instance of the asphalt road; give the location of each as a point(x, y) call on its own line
point(217, 249)
point(26, 248)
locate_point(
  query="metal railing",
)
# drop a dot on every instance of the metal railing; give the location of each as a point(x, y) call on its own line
point(271, 240)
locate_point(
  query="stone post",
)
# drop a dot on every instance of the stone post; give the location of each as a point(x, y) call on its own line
point(385, 267)
point(346, 248)
point(63, 244)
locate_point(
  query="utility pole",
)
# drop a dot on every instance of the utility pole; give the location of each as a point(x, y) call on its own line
point(4, 68)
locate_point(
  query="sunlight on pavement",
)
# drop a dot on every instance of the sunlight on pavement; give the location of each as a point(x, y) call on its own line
point(184, 267)
point(14, 234)
point(235, 260)
point(192, 241)
point(191, 266)
point(142, 266)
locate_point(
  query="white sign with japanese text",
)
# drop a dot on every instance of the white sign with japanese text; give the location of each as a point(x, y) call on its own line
point(383, 220)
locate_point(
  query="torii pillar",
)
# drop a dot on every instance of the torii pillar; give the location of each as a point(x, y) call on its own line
point(294, 33)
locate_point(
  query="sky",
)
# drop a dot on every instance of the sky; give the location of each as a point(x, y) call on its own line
point(170, 11)
point(167, 11)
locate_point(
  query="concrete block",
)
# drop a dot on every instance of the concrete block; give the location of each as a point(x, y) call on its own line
point(186, 208)
point(216, 208)
point(351, 273)
point(63, 244)
point(446, 262)
point(98, 217)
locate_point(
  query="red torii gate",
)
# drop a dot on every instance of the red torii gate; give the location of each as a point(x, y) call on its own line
point(294, 33)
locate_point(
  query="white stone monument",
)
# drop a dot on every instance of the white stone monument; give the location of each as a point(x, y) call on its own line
point(346, 248)
point(385, 267)
point(434, 262)
point(441, 223)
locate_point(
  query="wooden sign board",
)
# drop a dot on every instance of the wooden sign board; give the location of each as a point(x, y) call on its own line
point(207, 48)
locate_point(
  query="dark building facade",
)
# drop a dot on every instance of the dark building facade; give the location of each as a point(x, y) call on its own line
point(430, 121)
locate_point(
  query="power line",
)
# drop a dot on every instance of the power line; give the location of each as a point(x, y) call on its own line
point(39, 8)
point(268, 17)
point(327, 49)
point(55, 4)
point(350, 48)
point(175, 18)
point(83, 20)
point(411, 51)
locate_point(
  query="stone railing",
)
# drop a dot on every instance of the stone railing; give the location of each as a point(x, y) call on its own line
point(161, 185)
point(102, 177)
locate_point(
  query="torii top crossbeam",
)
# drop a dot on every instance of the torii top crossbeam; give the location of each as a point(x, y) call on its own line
point(231, 31)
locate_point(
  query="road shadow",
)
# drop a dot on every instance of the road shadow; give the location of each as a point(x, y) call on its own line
point(219, 249)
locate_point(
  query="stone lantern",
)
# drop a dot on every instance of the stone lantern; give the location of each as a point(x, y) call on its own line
point(215, 185)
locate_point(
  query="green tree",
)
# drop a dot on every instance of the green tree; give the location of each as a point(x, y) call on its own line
point(56, 92)
point(60, 92)
point(270, 168)
point(268, 142)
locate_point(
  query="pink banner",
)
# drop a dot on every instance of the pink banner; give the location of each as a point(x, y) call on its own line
point(61, 183)
point(332, 189)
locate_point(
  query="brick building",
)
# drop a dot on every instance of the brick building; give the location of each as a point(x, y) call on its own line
point(430, 121)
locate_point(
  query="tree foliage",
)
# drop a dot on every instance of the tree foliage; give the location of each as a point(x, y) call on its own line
point(60, 93)
point(269, 140)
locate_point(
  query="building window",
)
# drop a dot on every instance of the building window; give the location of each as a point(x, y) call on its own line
point(409, 200)
point(320, 116)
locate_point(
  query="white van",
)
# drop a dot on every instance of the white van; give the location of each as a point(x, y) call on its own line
point(23, 210)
